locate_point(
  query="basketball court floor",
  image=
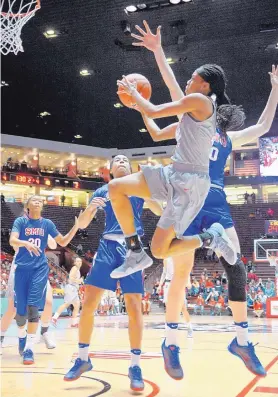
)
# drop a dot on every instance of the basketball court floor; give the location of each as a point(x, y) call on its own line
point(209, 369)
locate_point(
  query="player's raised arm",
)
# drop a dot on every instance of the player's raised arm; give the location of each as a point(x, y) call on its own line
point(152, 42)
point(263, 125)
point(88, 215)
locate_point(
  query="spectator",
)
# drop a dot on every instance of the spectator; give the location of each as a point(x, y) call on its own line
point(2, 198)
point(246, 196)
point(244, 260)
point(209, 283)
point(270, 212)
point(199, 306)
point(252, 276)
point(218, 287)
point(253, 198)
point(269, 288)
point(195, 287)
point(258, 308)
point(220, 304)
point(79, 249)
point(63, 199)
point(89, 256)
point(224, 278)
point(259, 285)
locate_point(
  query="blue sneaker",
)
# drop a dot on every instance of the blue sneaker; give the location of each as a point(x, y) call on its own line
point(136, 380)
point(21, 345)
point(171, 361)
point(78, 369)
point(248, 356)
point(28, 357)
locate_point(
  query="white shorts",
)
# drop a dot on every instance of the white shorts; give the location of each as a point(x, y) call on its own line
point(166, 292)
point(10, 289)
point(71, 294)
point(184, 192)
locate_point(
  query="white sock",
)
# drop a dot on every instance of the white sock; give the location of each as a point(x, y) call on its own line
point(83, 349)
point(56, 316)
point(22, 332)
point(74, 321)
point(30, 342)
point(189, 325)
point(135, 357)
point(242, 333)
point(171, 334)
point(3, 333)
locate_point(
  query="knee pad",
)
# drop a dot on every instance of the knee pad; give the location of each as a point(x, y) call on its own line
point(237, 280)
point(20, 320)
point(33, 314)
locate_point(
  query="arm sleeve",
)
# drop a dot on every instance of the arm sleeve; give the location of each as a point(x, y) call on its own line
point(17, 225)
point(52, 230)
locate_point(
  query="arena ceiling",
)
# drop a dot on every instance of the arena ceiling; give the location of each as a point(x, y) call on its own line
point(239, 35)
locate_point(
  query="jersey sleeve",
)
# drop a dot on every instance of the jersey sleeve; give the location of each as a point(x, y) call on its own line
point(52, 230)
point(98, 193)
point(18, 223)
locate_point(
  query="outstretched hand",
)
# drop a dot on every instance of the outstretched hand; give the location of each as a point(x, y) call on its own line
point(126, 86)
point(274, 76)
point(148, 39)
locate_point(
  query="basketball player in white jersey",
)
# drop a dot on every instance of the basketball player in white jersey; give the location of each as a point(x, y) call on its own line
point(71, 296)
point(47, 312)
point(166, 278)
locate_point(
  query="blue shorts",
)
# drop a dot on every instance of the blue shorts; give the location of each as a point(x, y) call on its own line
point(215, 209)
point(110, 255)
point(30, 288)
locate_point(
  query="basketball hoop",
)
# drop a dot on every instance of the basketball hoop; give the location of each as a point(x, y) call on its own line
point(14, 15)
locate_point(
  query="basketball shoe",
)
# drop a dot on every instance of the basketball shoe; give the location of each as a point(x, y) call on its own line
point(134, 262)
point(136, 380)
point(78, 369)
point(172, 361)
point(28, 357)
point(248, 356)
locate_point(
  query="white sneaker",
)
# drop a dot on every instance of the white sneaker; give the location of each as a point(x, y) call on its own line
point(134, 262)
point(47, 340)
point(222, 244)
point(190, 332)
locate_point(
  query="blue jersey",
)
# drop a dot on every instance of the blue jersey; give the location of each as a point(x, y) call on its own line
point(35, 231)
point(220, 151)
point(111, 224)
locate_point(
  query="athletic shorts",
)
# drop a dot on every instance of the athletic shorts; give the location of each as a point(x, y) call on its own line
point(110, 255)
point(30, 288)
point(215, 209)
point(166, 292)
point(71, 294)
point(10, 290)
point(185, 194)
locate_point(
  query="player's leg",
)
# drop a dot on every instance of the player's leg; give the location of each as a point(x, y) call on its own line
point(46, 319)
point(237, 281)
point(170, 349)
point(21, 285)
point(59, 311)
point(97, 281)
point(187, 320)
point(133, 288)
point(35, 300)
point(76, 309)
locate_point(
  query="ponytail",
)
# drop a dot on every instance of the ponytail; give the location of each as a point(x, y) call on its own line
point(230, 117)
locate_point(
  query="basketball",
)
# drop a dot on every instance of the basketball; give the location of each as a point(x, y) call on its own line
point(143, 87)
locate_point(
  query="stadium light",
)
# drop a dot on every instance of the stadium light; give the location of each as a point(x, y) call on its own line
point(131, 8)
point(175, 1)
point(50, 34)
point(142, 130)
point(78, 136)
point(84, 72)
point(118, 105)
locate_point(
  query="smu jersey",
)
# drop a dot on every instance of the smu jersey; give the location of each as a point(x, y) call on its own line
point(111, 224)
point(220, 151)
point(35, 231)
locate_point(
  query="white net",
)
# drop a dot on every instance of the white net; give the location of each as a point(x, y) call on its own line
point(14, 15)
